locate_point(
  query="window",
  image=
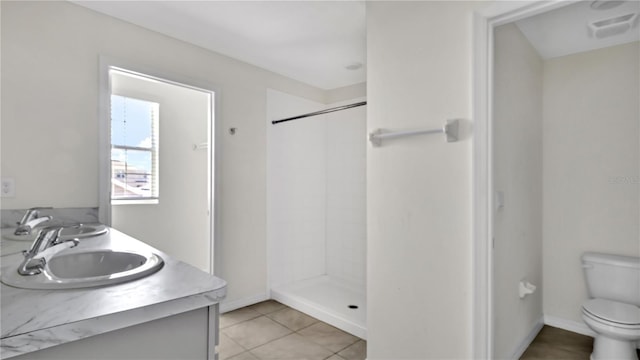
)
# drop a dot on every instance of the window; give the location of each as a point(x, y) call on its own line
point(134, 149)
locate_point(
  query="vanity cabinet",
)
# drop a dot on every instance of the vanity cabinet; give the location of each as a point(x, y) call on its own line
point(170, 314)
point(181, 336)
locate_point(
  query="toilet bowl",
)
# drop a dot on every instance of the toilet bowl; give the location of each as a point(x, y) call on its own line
point(617, 328)
point(612, 312)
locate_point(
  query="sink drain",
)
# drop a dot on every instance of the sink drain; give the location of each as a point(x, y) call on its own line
point(353, 306)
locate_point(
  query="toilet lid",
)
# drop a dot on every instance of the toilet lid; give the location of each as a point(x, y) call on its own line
point(613, 311)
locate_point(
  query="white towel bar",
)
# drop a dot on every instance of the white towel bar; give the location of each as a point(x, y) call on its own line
point(450, 129)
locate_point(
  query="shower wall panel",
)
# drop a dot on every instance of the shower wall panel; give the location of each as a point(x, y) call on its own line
point(296, 168)
point(346, 194)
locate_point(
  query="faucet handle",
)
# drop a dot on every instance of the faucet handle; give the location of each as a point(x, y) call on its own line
point(54, 229)
point(48, 236)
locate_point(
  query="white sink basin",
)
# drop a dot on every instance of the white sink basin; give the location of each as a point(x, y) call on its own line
point(88, 268)
point(85, 230)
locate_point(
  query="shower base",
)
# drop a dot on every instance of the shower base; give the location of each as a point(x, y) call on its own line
point(334, 301)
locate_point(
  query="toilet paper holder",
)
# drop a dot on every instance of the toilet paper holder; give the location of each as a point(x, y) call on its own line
point(525, 288)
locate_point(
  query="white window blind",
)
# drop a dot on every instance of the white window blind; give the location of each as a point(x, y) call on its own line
point(134, 149)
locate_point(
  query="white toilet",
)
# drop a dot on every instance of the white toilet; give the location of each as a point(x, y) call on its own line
point(613, 312)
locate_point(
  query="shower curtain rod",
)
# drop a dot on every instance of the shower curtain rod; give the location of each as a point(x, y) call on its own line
point(325, 111)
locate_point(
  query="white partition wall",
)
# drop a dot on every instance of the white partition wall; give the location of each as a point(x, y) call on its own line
point(517, 128)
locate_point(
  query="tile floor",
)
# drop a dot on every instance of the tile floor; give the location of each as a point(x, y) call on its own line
point(554, 343)
point(270, 330)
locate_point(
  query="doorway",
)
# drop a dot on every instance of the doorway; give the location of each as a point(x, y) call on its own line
point(532, 135)
point(159, 182)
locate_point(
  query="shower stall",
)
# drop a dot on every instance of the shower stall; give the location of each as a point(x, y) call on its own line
point(316, 209)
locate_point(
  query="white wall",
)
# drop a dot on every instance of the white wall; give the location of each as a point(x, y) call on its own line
point(179, 223)
point(347, 93)
point(517, 128)
point(316, 191)
point(50, 53)
point(591, 167)
point(418, 189)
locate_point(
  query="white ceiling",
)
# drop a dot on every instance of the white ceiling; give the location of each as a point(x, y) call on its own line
point(564, 31)
point(314, 41)
point(310, 41)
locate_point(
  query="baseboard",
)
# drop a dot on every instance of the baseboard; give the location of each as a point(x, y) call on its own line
point(227, 306)
point(528, 340)
point(573, 326)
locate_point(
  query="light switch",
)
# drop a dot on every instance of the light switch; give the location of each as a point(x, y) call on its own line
point(8, 188)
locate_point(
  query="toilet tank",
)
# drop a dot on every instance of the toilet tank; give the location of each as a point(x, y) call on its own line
point(612, 277)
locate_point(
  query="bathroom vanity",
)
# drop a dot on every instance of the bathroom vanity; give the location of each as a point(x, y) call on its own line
point(170, 314)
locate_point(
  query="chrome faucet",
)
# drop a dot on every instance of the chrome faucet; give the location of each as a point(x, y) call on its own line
point(30, 220)
point(48, 238)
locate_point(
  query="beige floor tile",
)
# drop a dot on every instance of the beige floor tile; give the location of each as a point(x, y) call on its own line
point(255, 332)
point(293, 319)
point(237, 316)
point(357, 351)
point(244, 356)
point(228, 347)
point(336, 357)
point(291, 347)
point(267, 307)
point(328, 336)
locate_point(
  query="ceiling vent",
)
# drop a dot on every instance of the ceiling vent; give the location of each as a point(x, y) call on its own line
point(612, 26)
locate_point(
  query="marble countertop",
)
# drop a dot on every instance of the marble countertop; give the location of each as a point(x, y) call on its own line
point(32, 320)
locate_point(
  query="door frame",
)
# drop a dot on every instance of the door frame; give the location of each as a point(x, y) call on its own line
point(214, 152)
point(484, 22)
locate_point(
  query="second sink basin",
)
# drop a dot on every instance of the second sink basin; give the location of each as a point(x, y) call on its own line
point(81, 231)
point(88, 268)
